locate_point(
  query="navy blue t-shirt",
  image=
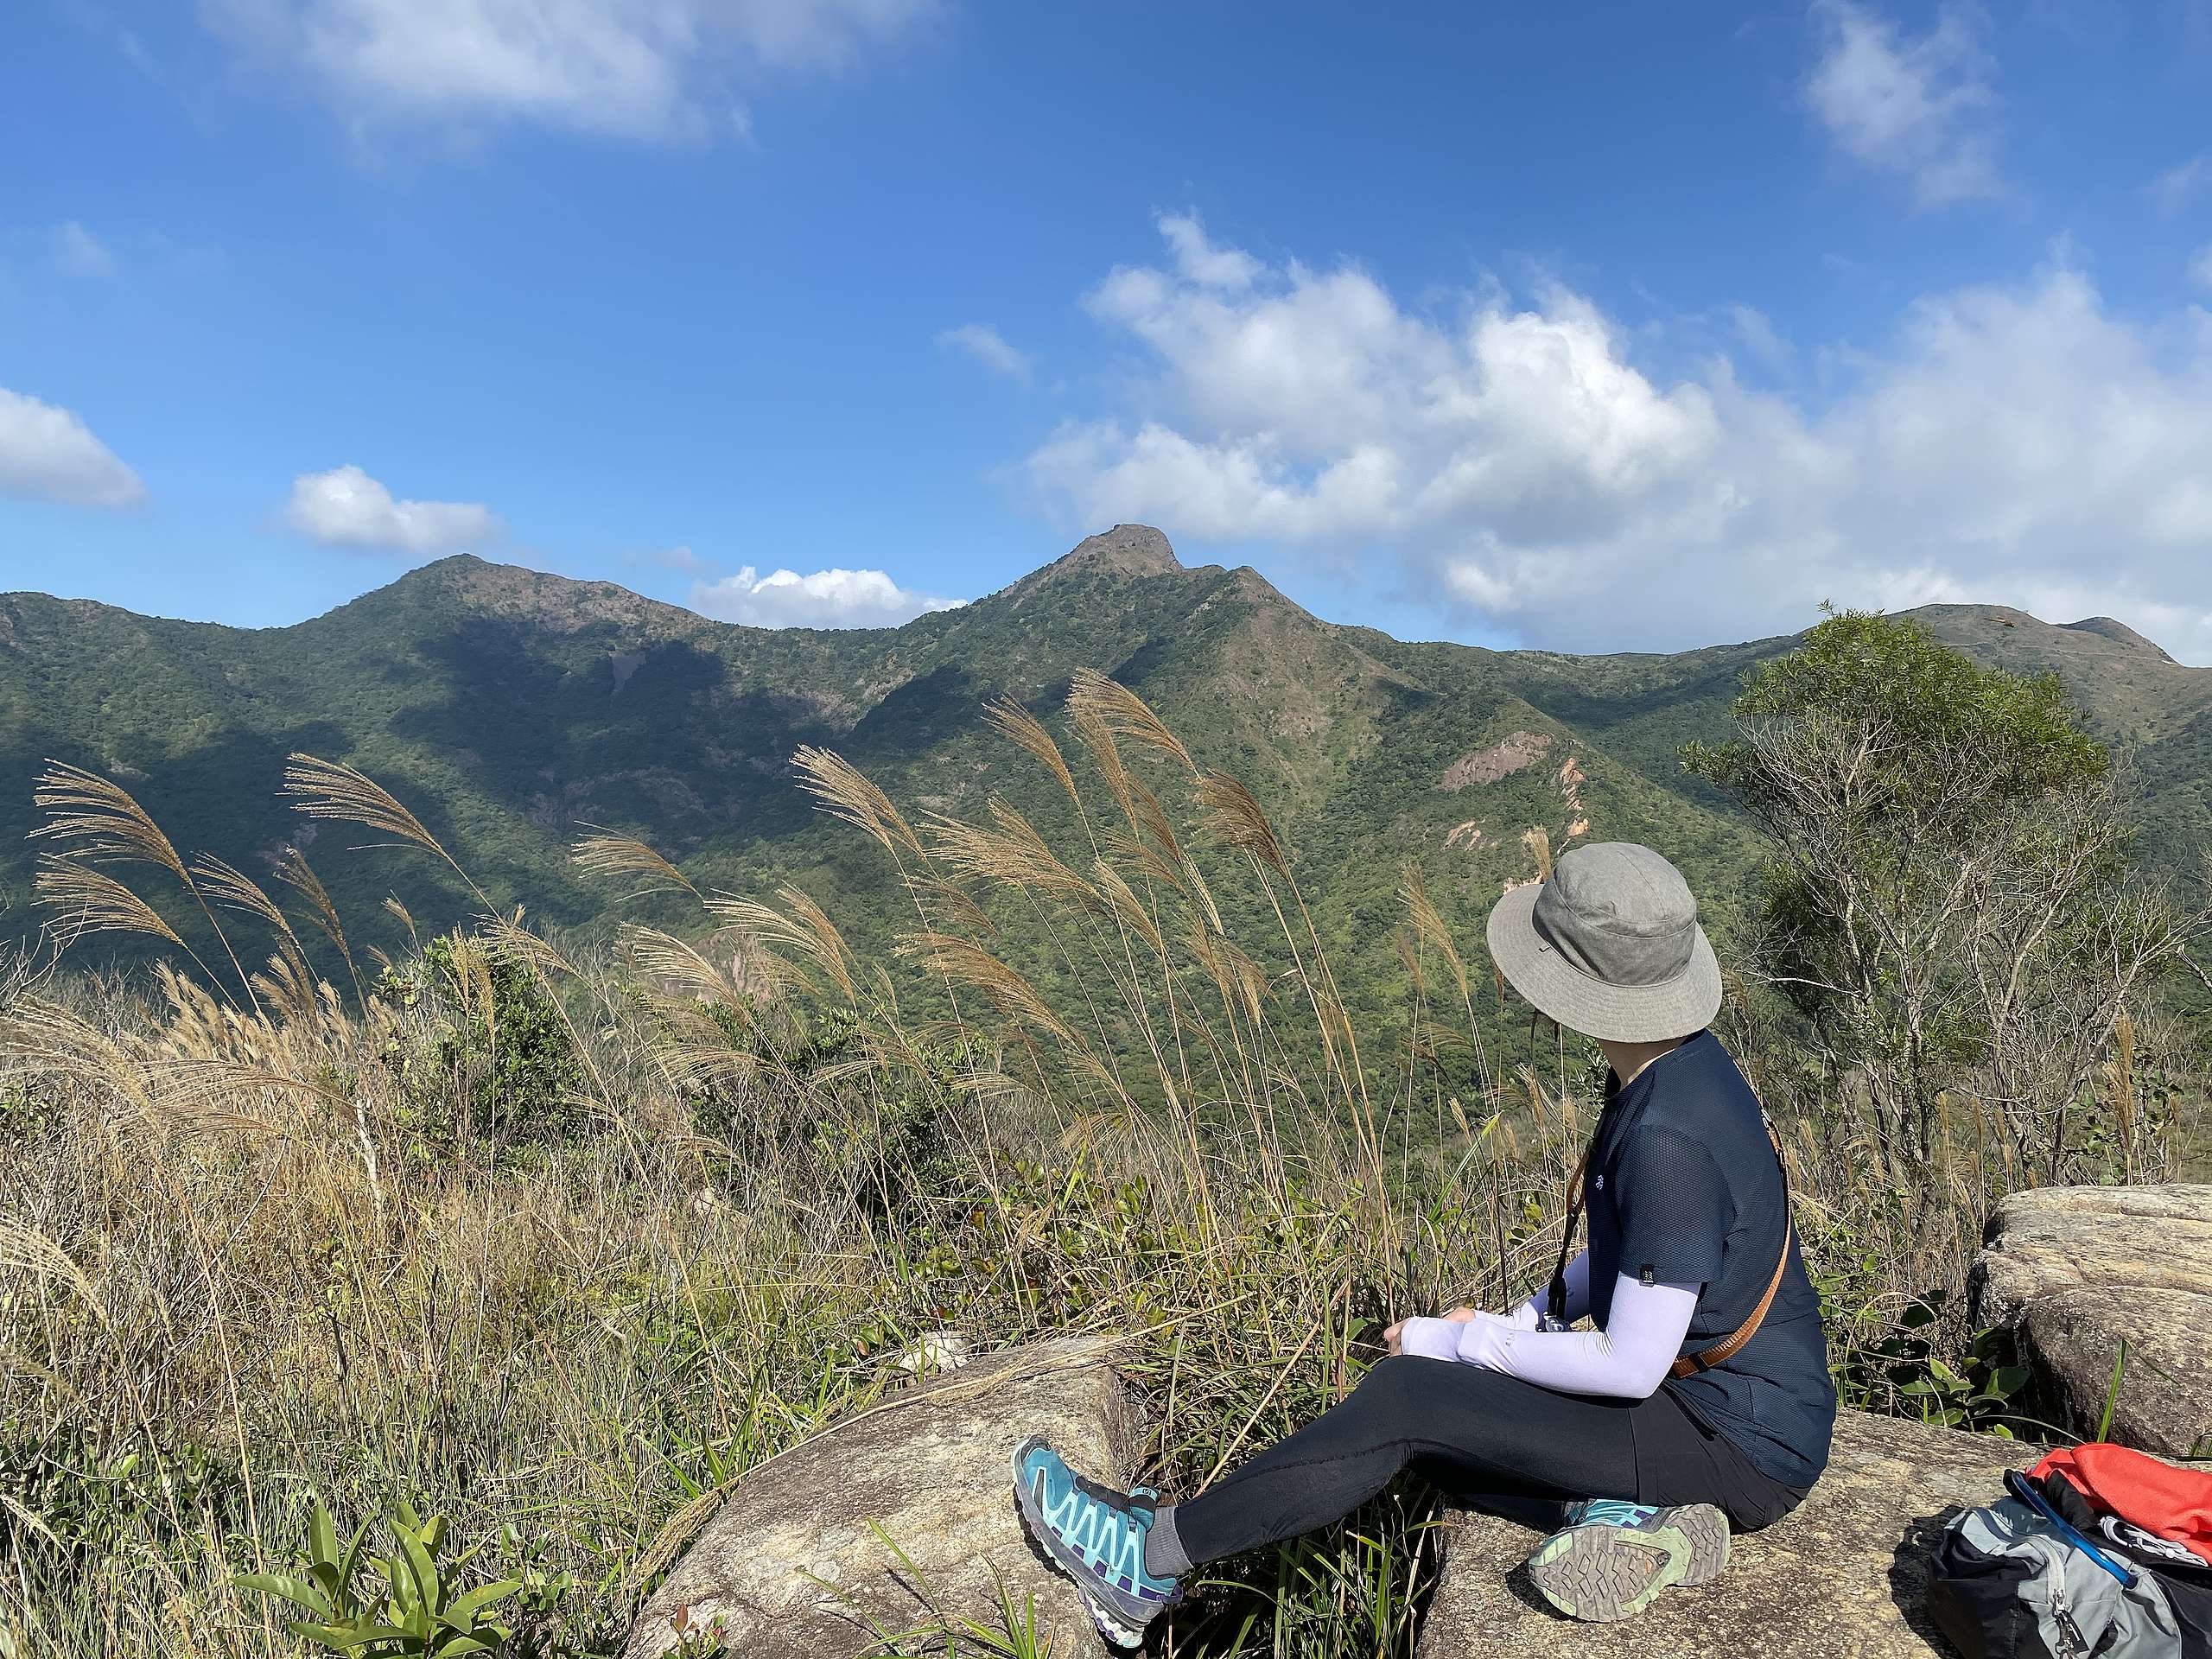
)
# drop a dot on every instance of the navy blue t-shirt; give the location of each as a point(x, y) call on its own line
point(1683, 1189)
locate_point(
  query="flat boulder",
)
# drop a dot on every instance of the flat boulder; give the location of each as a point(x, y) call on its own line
point(1841, 1577)
point(796, 1562)
point(2075, 1272)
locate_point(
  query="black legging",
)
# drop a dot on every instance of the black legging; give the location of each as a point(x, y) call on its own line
point(1483, 1433)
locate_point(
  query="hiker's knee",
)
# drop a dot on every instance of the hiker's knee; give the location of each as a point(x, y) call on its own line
point(1409, 1387)
point(1394, 1387)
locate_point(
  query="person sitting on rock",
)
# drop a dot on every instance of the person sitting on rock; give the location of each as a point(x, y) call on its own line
point(1701, 1400)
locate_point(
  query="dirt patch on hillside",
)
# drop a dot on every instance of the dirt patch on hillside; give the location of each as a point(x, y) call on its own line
point(1508, 755)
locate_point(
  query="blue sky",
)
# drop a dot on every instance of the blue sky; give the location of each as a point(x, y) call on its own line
point(1592, 327)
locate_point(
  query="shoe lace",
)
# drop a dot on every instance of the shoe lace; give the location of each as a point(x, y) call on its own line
point(1609, 1512)
point(1096, 1525)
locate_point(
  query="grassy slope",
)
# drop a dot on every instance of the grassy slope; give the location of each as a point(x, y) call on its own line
point(508, 708)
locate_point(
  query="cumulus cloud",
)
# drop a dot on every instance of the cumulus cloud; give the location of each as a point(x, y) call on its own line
point(2015, 443)
point(988, 347)
point(1920, 106)
point(1200, 261)
point(345, 507)
point(826, 599)
point(636, 69)
point(49, 454)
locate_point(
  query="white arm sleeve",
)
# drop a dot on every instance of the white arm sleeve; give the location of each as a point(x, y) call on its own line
point(1627, 1360)
point(1529, 1316)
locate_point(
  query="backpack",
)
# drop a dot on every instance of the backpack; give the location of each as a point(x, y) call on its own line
point(2017, 1581)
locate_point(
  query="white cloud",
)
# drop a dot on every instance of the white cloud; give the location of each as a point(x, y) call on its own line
point(1200, 261)
point(636, 69)
point(988, 347)
point(681, 558)
point(1759, 337)
point(345, 507)
point(826, 599)
point(78, 252)
point(48, 453)
point(1923, 107)
point(2170, 191)
point(2199, 268)
point(2016, 443)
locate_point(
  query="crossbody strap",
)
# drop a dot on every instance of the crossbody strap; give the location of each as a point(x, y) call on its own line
point(1729, 1346)
point(1555, 1296)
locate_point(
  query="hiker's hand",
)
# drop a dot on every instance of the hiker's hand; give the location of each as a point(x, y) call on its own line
point(1394, 1337)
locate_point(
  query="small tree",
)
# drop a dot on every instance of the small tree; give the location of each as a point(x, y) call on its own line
point(1949, 903)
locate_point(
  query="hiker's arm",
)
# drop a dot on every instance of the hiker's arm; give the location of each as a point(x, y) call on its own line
point(1529, 1316)
point(1627, 1360)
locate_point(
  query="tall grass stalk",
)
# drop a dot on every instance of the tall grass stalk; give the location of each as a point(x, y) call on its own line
point(559, 1240)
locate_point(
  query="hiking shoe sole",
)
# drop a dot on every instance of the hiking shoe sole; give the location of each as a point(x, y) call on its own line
point(1110, 1625)
point(1706, 1529)
point(1601, 1573)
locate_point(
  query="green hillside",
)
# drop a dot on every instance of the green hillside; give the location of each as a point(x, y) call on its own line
point(510, 709)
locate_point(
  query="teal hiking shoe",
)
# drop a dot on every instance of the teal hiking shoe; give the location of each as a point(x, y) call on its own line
point(1097, 1536)
point(1613, 1557)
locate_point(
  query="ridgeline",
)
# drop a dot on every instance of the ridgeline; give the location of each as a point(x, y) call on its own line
point(511, 708)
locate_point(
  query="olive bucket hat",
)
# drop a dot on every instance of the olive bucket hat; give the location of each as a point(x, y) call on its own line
point(1610, 946)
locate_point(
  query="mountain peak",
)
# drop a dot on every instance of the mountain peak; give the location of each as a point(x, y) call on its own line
point(2093, 640)
point(462, 583)
point(2118, 632)
point(1124, 550)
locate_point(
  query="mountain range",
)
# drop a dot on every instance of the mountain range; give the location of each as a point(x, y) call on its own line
point(511, 708)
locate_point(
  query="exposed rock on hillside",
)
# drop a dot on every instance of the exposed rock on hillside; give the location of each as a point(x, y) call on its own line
point(2073, 1271)
point(1513, 752)
point(1124, 550)
point(793, 1564)
point(1841, 1578)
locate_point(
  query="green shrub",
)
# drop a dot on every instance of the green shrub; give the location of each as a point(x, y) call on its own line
point(495, 1059)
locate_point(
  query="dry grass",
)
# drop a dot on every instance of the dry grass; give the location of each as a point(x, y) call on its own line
point(253, 1245)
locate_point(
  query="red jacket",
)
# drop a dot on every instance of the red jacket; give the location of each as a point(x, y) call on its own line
point(2173, 1504)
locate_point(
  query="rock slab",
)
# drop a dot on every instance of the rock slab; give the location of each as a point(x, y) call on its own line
point(1841, 1577)
point(2074, 1271)
point(930, 1467)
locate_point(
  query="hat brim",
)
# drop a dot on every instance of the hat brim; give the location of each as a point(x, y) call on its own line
point(1621, 1014)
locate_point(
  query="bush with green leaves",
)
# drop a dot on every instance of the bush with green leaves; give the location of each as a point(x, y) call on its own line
point(493, 1056)
point(70, 1497)
point(1949, 910)
point(878, 1124)
point(406, 1604)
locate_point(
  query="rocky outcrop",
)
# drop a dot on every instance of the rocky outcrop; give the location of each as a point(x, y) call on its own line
point(801, 1560)
point(797, 1562)
point(1124, 550)
point(1513, 752)
point(2074, 1272)
point(1842, 1577)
